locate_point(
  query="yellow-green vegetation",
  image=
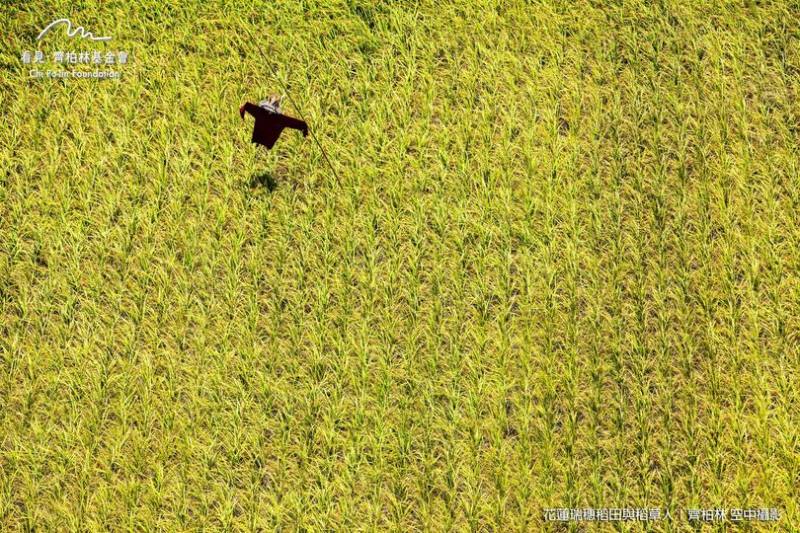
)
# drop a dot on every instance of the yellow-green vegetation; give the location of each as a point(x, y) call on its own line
point(560, 268)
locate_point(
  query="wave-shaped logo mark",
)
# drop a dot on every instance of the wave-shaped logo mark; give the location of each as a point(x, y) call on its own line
point(70, 32)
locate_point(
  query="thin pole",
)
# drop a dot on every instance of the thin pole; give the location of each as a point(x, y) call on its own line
point(294, 104)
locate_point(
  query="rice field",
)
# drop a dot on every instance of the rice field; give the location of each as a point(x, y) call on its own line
point(559, 267)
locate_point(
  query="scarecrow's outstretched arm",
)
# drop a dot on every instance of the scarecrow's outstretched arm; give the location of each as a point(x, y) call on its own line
point(296, 124)
point(249, 108)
